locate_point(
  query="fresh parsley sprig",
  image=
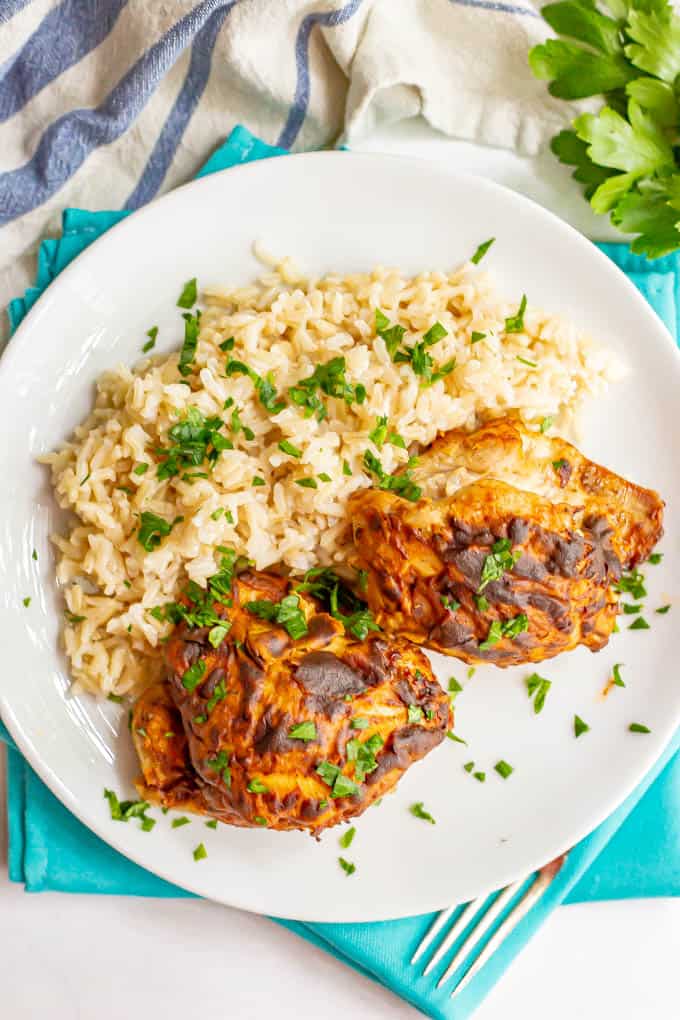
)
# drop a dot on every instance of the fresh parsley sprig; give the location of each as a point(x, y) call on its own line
point(626, 155)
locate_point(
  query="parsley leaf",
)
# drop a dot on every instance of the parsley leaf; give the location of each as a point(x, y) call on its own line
point(418, 811)
point(347, 837)
point(537, 688)
point(187, 298)
point(401, 484)
point(264, 386)
point(330, 379)
point(481, 251)
point(499, 561)
point(287, 613)
point(580, 726)
point(347, 866)
point(515, 323)
point(192, 324)
point(303, 731)
point(152, 529)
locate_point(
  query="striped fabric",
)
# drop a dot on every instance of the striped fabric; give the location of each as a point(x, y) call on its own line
point(106, 103)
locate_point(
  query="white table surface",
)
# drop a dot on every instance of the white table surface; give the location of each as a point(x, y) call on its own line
point(70, 957)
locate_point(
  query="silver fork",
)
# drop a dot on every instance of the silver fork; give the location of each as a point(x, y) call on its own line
point(483, 920)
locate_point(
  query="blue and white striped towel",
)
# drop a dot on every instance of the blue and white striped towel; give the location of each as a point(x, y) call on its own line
point(105, 103)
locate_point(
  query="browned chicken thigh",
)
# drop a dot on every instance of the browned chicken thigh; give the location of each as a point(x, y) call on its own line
point(512, 553)
point(290, 723)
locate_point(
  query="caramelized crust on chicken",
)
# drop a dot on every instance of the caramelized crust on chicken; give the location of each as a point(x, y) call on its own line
point(511, 555)
point(280, 732)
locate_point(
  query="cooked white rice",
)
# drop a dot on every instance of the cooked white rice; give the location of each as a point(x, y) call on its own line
point(284, 325)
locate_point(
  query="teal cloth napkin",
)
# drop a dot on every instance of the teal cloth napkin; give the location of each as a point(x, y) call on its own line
point(635, 852)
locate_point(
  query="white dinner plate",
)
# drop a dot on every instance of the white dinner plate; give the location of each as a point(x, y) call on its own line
point(347, 212)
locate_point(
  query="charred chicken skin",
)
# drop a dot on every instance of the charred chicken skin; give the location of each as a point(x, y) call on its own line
point(513, 552)
point(289, 723)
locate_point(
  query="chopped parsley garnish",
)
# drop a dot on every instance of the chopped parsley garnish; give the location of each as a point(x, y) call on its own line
point(151, 342)
point(546, 424)
point(140, 469)
point(537, 688)
point(515, 323)
point(212, 824)
point(379, 433)
point(616, 670)
point(192, 677)
point(637, 727)
point(362, 579)
point(200, 853)
point(303, 731)
point(506, 628)
point(476, 336)
point(418, 811)
point(559, 464)
point(358, 723)
point(468, 766)
point(192, 324)
point(655, 558)
point(415, 713)
point(264, 386)
point(292, 451)
point(525, 361)
point(632, 583)
point(217, 634)
point(228, 344)
point(72, 618)
point(482, 602)
point(34, 554)
point(124, 810)
point(307, 483)
point(499, 561)
point(457, 740)
point(237, 425)
point(342, 603)
point(401, 484)
point(152, 529)
point(639, 624)
point(259, 820)
point(662, 609)
point(580, 726)
point(202, 612)
point(187, 298)
point(330, 379)
point(481, 251)
point(341, 786)
point(363, 755)
point(422, 362)
point(26, 601)
point(287, 613)
point(630, 609)
point(257, 786)
point(454, 686)
point(503, 769)
point(257, 481)
point(324, 477)
point(177, 823)
point(347, 866)
point(220, 764)
point(115, 698)
point(392, 335)
point(195, 439)
point(448, 603)
point(479, 776)
point(347, 837)
point(346, 469)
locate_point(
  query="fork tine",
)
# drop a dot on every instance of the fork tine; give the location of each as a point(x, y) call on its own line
point(522, 907)
point(484, 923)
point(460, 923)
point(434, 929)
